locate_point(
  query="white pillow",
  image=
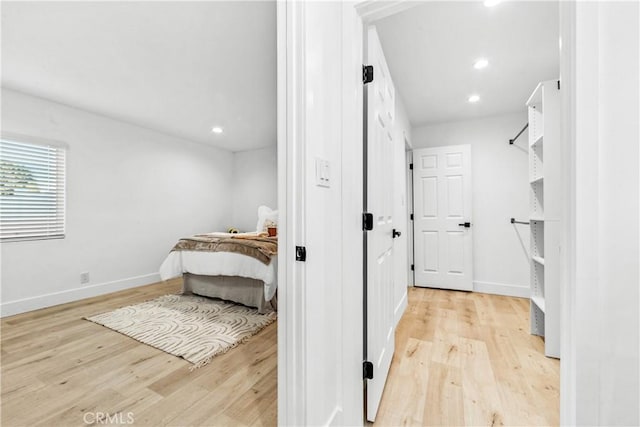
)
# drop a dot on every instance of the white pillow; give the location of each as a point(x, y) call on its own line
point(266, 218)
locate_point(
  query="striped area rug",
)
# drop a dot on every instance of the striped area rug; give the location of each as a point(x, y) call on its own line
point(188, 326)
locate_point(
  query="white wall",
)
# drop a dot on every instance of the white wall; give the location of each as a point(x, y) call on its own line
point(322, 208)
point(255, 176)
point(321, 333)
point(600, 370)
point(500, 191)
point(131, 193)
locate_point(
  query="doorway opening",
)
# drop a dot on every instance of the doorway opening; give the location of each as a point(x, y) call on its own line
point(463, 96)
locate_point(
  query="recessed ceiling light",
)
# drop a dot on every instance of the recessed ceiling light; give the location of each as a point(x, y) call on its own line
point(474, 98)
point(216, 129)
point(491, 3)
point(480, 63)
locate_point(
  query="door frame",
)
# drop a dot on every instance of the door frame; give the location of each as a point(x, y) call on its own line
point(411, 247)
point(369, 12)
point(291, 368)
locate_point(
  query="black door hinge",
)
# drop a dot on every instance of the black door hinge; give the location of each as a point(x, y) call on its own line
point(411, 217)
point(412, 267)
point(411, 166)
point(301, 253)
point(367, 370)
point(367, 74)
point(367, 221)
point(558, 84)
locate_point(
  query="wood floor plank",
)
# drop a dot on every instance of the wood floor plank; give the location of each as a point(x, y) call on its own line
point(444, 399)
point(482, 404)
point(248, 407)
point(165, 411)
point(408, 385)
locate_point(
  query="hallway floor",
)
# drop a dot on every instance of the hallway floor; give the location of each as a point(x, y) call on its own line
point(467, 358)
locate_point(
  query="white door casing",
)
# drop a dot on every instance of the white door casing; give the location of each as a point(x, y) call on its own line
point(400, 219)
point(409, 186)
point(442, 201)
point(380, 253)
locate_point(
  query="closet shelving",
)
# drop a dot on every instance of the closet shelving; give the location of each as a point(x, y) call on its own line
point(544, 176)
point(537, 141)
point(536, 180)
point(539, 302)
point(538, 259)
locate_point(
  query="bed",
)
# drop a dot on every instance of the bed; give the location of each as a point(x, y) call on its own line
point(236, 267)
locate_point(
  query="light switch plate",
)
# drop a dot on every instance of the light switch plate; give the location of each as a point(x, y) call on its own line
point(323, 175)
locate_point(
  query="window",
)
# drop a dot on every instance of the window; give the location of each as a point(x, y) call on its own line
point(32, 189)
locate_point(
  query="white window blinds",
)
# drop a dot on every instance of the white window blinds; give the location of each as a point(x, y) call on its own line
point(32, 190)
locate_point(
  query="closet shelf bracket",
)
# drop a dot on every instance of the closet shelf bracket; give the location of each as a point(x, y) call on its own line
point(511, 141)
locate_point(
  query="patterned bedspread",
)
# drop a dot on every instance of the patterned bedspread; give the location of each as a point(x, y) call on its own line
point(261, 248)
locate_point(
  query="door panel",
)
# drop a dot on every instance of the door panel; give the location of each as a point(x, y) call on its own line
point(430, 197)
point(442, 201)
point(455, 199)
point(380, 202)
point(430, 239)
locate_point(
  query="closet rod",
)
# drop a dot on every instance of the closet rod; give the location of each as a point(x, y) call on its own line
point(511, 141)
point(513, 221)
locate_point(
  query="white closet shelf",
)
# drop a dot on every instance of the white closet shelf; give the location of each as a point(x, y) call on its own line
point(538, 301)
point(536, 180)
point(538, 259)
point(535, 100)
point(537, 141)
point(544, 113)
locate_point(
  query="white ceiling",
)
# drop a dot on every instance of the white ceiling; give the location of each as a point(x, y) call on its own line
point(177, 67)
point(431, 48)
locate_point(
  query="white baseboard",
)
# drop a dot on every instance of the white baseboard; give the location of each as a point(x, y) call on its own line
point(502, 289)
point(10, 308)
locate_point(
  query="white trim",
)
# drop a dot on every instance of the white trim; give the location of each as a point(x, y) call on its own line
point(292, 382)
point(522, 291)
point(375, 10)
point(352, 402)
point(401, 307)
point(568, 383)
point(334, 416)
point(11, 308)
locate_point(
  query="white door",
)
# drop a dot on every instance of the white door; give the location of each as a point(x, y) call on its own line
point(442, 217)
point(380, 255)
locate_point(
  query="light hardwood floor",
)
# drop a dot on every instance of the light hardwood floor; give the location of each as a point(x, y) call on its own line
point(468, 359)
point(57, 367)
point(461, 358)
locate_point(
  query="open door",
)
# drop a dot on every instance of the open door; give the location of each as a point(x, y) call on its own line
point(379, 257)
